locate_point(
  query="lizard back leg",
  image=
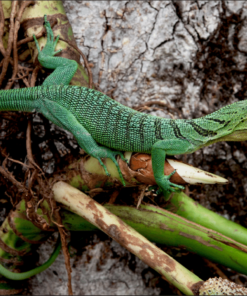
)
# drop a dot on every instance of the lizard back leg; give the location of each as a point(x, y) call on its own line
point(63, 118)
point(64, 69)
point(159, 151)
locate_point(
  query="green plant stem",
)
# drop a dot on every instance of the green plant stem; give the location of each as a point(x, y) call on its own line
point(184, 206)
point(163, 227)
point(129, 238)
point(25, 275)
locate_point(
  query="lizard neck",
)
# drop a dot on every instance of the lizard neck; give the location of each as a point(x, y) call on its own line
point(23, 99)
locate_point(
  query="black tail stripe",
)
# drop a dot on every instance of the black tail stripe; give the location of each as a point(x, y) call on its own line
point(116, 126)
point(108, 115)
point(216, 120)
point(127, 134)
point(176, 130)
point(142, 125)
point(225, 123)
point(201, 131)
point(157, 125)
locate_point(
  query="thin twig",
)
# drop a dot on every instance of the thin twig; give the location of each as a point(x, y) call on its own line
point(141, 196)
point(39, 35)
point(2, 49)
point(17, 161)
point(28, 142)
point(10, 41)
point(9, 176)
point(64, 244)
point(90, 77)
point(29, 146)
point(22, 76)
point(11, 199)
point(24, 4)
point(32, 179)
point(30, 156)
point(35, 75)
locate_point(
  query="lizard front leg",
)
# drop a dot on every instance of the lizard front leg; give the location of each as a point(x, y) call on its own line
point(159, 151)
point(64, 69)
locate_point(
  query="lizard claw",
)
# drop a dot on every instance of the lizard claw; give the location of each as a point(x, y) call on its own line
point(103, 152)
point(167, 187)
point(112, 157)
point(104, 167)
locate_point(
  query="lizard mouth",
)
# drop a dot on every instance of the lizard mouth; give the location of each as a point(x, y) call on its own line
point(239, 135)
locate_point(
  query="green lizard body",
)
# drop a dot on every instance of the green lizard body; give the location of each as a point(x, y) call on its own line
point(93, 118)
point(122, 128)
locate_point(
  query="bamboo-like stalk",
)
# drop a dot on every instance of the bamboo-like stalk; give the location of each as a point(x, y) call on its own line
point(18, 235)
point(156, 224)
point(25, 275)
point(86, 174)
point(82, 205)
point(184, 206)
point(163, 227)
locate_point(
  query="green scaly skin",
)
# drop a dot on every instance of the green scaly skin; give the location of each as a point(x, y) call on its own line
point(93, 118)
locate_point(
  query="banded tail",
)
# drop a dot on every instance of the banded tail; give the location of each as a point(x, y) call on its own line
point(23, 99)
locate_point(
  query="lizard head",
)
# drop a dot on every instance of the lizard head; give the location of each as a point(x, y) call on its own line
point(230, 123)
point(237, 127)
